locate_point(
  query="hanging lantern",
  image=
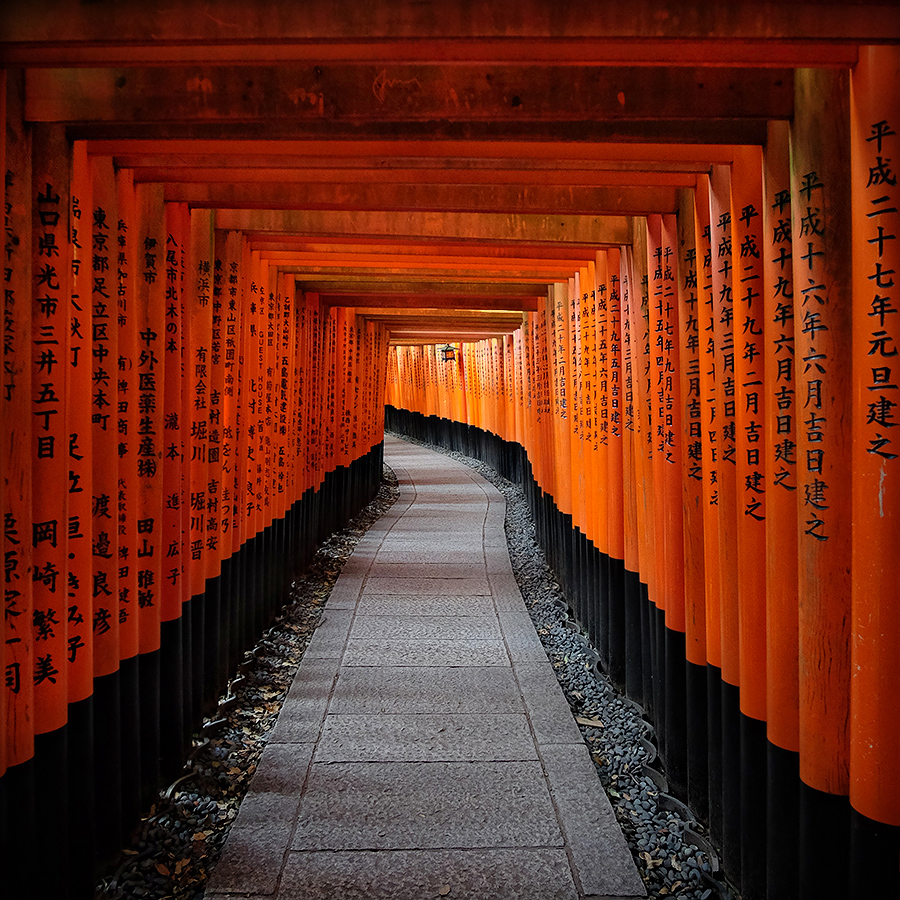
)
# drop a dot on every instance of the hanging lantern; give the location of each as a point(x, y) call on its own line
point(448, 353)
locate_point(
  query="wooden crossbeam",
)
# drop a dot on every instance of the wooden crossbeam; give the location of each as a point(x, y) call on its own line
point(488, 198)
point(404, 94)
point(404, 31)
point(552, 153)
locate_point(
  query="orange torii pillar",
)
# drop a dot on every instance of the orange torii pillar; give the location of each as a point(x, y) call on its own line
point(53, 536)
point(750, 328)
point(692, 498)
point(175, 699)
point(623, 658)
point(597, 386)
point(627, 663)
point(711, 404)
point(648, 610)
point(87, 394)
point(782, 665)
point(874, 724)
point(149, 365)
point(821, 238)
point(668, 476)
point(725, 765)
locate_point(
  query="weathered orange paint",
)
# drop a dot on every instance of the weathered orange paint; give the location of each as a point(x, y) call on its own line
point(751, 331)
point(874, 726)
point(782, 414)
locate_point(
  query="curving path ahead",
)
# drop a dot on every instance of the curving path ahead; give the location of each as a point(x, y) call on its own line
point(425, 748)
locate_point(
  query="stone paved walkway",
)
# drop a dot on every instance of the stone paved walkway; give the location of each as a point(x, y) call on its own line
point(425, 749)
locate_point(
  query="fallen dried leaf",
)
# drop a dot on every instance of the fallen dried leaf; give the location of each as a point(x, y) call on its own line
point(163, 870)
point(589, 722)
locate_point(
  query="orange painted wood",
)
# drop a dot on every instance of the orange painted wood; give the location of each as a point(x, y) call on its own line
point(618, 415)
point(669, 435)
point(630, 306)
point(821, 232)
point(710, 392)
point(577, 462)
point(198, 390)
point(269, 171)
point(4, 428)
point(874, 728)
point(558, 356)
point(690, 336)
point(551, 151)
point(50, 532)
point(781, 414)
point(750, 340)
point(596, 390)
point(174, 548)
point(17, 725)
point(653, 367)
point(113, 512)
point(145, 608)
point(644, 415)
point(84, 393)
point(722, 246)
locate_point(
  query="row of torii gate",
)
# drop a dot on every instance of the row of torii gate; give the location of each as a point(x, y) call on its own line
point(662, 245)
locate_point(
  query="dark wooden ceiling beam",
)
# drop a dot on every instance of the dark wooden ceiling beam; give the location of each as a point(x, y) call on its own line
point(532, 199)
point(404, 94)
point(430, 229)
point(524, 303)
point(449, 248)
point(529, 151)
point(527, 31)
point(455, 167)
point(492, 294)
point(695, 129)
point(473, 178)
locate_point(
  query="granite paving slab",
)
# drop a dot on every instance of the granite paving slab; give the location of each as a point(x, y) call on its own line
point(550, 715)
point(418, 805)
point(416, 605)
point(415, 554)
point(425, 737)
point(412, 689)
point(429, 652)
point(253, 858)
point(375, 584)
point(421, 628)
point(602, 859)
point(491, 874)
point(427, 568)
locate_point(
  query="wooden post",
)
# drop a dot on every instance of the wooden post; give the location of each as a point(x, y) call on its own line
point(16, 437)
point(874, 730)
point(821, 212)
point(693, 504)
point(781, 515)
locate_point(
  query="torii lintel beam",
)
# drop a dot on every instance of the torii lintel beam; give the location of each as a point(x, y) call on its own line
point(429, 228)
point(328, 95)
point(525, 31)
point(443, 198)
point(519, 303)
